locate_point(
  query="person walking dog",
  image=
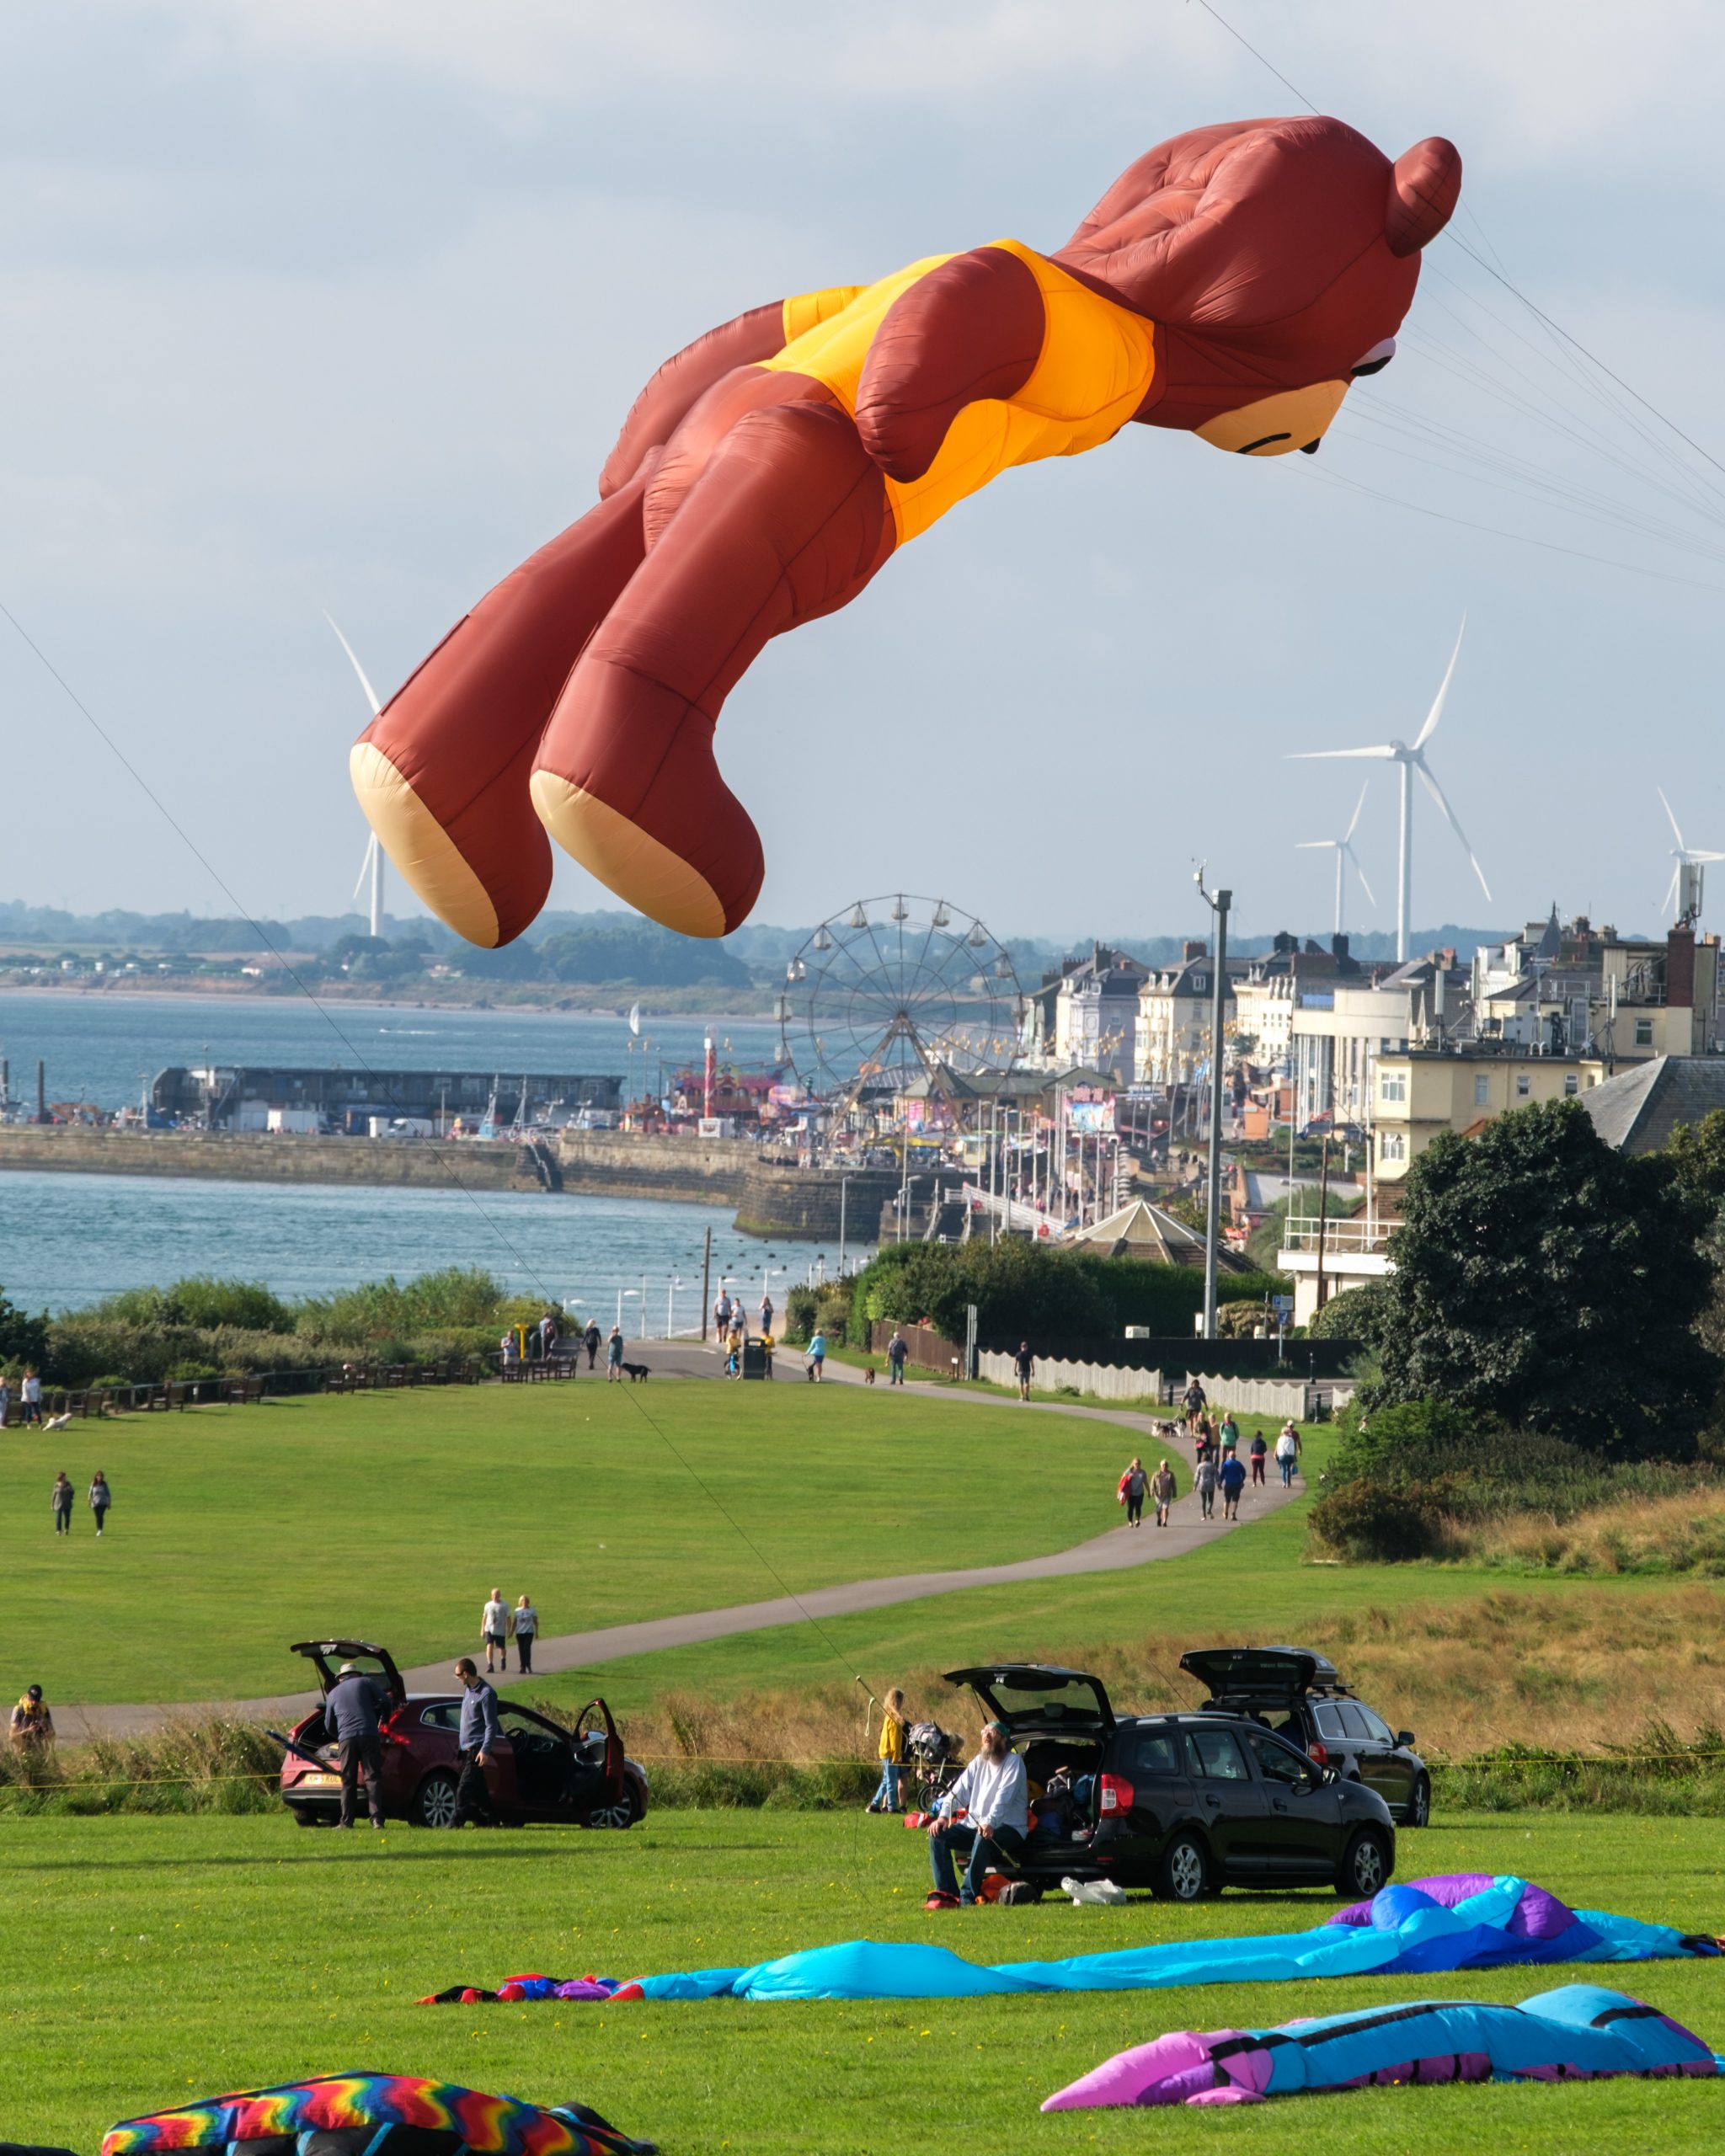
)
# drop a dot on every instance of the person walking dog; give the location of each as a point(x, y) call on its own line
point(351, 1718)
point(897, 1354)
point(479, 1731)
point(525, 1622)
point(891, 1753)
point(101, 1497)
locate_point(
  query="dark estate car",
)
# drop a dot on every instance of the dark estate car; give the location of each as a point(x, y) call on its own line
point(1184, 1804)
point(541, 1771)
point(1300, 1696)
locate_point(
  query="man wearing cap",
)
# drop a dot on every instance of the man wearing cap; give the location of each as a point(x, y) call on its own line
point(32, 1724)
point(351, 1718)
point(993, 1796)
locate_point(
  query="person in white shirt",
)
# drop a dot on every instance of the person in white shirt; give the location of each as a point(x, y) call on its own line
point(1287, 1452)
point(994, 1796)
point(494, 1630)
point(31, 1395)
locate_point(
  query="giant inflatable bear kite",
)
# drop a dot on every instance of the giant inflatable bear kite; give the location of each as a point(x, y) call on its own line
point(1230, 284)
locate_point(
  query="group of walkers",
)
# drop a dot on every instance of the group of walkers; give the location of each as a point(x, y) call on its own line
point(30, 1397)
point(1217, 1466)
point(63, 1496)
point(542, 1341)
point(498, 1625)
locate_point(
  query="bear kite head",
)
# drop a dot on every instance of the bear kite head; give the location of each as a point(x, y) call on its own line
point(1277, 259)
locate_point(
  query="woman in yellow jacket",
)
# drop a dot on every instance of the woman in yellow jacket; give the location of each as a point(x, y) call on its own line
point(892, 1753)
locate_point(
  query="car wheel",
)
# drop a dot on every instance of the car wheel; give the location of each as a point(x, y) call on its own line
point(1366, 1866)
point(1419, 1805)
point(1183, 1874)
point(303, 1815)
point(433, 1803)
point(623, 1813)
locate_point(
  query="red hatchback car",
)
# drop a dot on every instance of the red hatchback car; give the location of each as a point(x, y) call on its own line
point(540, 1772)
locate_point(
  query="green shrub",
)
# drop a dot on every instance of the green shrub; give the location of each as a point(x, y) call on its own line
point(802, 1305)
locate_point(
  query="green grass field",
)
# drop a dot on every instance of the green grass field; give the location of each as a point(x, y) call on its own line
point(390, 1516)
point(152, 1960)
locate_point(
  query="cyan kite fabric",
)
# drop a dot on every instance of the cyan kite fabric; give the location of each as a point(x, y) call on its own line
point(362, 2114)
point(1469, 1920)
point(1580, 2033)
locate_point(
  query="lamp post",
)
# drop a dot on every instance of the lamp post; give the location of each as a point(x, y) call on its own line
point(1219, 906)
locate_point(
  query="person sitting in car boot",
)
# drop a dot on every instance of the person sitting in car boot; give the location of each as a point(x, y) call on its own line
point(986, 1812)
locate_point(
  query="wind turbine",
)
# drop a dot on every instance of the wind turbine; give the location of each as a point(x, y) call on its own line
point(1344, 848)
point(372, 864)
point(1412, 758)
point(1686, 857)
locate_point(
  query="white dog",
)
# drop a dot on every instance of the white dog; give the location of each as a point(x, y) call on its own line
point(56, 1421)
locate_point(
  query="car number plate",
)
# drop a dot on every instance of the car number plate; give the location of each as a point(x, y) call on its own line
point(320, 1781)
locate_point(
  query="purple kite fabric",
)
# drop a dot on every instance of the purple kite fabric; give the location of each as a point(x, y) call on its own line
point(1463, 1920)
point(1580, 2033)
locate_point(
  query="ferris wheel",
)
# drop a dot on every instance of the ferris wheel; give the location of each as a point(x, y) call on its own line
point(894, 987)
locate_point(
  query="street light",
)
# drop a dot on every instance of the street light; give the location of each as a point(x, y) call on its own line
point(1219, 906)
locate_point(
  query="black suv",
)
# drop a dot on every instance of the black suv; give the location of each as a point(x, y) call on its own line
point(1302, 1696)
point(1182, 1804)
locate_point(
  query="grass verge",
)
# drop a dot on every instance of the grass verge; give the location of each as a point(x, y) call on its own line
point(167, 1959)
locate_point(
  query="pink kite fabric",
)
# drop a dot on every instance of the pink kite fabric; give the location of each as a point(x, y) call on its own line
point(1580, 2032)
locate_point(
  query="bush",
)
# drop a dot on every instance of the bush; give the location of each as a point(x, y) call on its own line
point(1356, 1314)
point(1370, 1523)
point(1024, 1290)
point(801, 1305)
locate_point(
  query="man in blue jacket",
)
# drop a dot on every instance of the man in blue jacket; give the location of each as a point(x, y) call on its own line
point(351, 1718)
point(480, 1733)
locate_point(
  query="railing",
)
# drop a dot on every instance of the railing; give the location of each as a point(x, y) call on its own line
point(1351, 1235)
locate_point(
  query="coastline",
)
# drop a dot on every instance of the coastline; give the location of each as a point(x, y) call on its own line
point(183, 991)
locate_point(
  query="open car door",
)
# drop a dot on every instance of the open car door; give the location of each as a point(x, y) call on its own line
point(1035, 1698)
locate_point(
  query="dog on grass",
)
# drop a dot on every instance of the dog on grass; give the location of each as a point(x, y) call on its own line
point(868, 1377)
point(637, 1372)
point(57, 1422)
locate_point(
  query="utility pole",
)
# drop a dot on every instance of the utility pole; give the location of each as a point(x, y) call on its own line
point(1323, 1206)
point(706, 1281)
point(1219, 906)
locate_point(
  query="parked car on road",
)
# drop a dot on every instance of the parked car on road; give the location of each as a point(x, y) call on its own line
point(540, 1772)
point(1182, 1804)
point(1301, 1695)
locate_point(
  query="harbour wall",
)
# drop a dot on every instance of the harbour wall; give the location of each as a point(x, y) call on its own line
point(797, 1204)
point(262, 1156)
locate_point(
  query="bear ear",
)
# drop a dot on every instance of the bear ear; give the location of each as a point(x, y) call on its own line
point(1423, 187)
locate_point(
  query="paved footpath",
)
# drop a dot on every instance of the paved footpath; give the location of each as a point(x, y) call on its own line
point(1119, 1550)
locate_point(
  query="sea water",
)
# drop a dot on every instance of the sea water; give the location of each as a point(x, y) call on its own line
point(67, 1241)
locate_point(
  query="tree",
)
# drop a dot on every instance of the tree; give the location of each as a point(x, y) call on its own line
point(22, 1339)
point(1546, 1280)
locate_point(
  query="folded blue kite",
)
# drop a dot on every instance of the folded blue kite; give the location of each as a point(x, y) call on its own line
point(1580, 2033)
point(1471, 1920)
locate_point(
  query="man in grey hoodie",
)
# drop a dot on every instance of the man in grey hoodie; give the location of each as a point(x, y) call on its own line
point(480, 1730)
point(351, 1718)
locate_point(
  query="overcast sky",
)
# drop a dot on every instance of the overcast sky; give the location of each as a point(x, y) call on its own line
point(339, 303)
